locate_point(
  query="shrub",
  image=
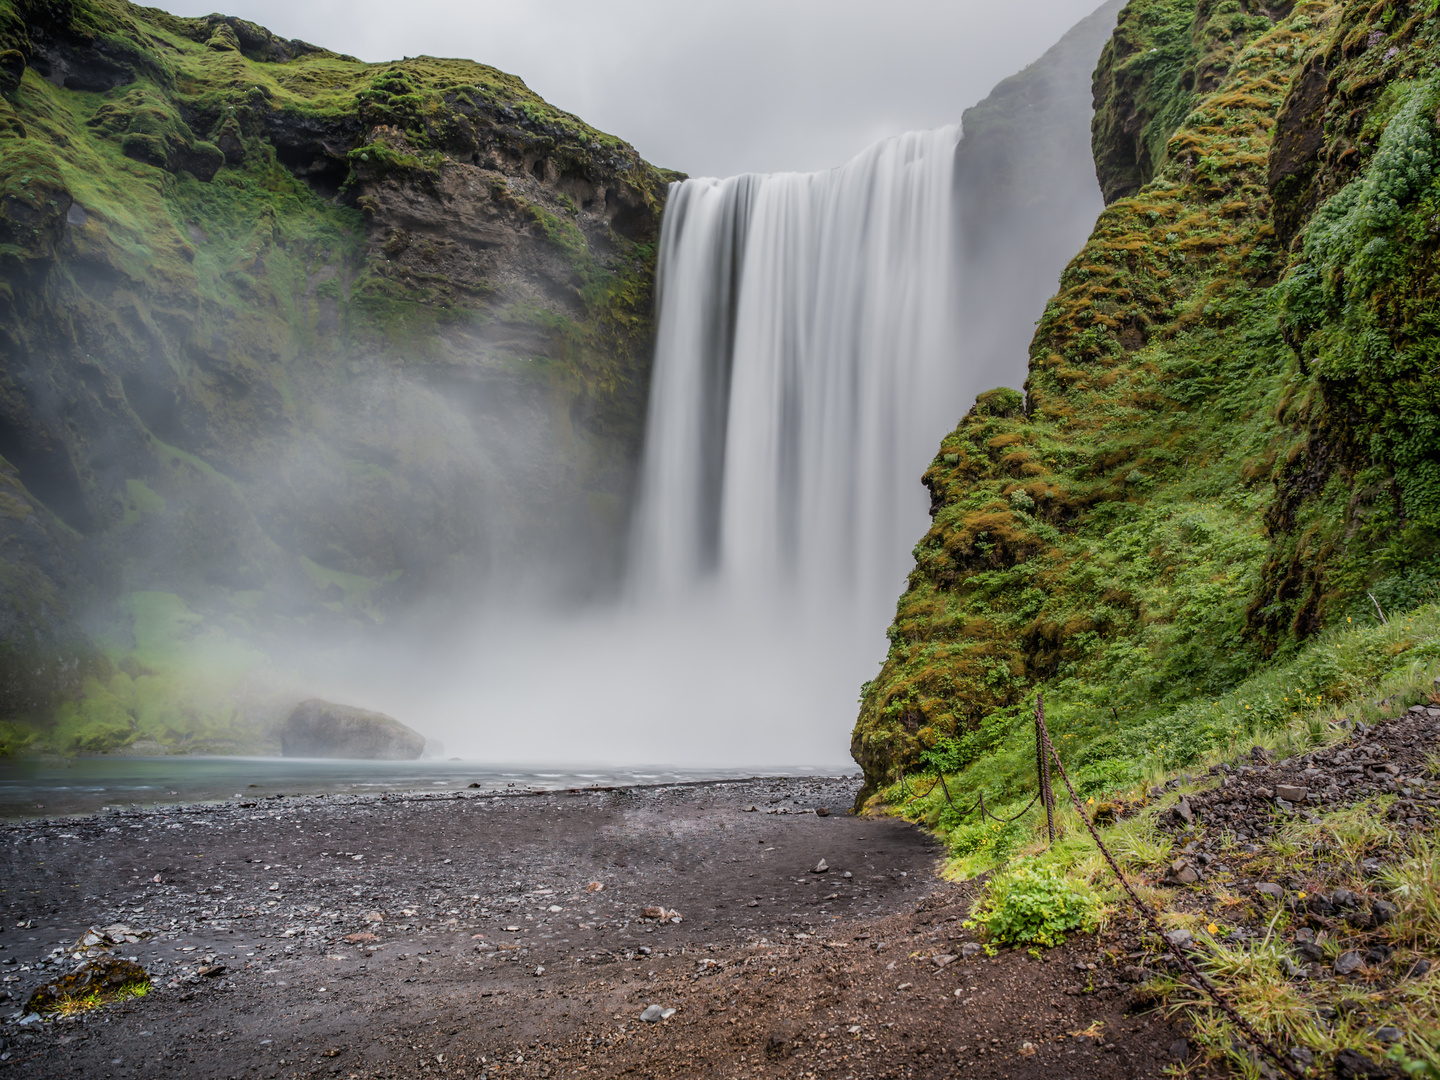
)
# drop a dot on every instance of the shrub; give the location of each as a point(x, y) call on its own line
point(1035, 906)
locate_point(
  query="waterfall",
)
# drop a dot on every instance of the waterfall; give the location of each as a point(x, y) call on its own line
point(806, 367)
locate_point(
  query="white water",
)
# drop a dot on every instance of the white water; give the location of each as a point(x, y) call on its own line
point(807, 365)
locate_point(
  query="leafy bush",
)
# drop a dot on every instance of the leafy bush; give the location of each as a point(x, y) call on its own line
point(1035, 906)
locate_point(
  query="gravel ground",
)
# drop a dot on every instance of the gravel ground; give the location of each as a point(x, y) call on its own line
point(467, 934)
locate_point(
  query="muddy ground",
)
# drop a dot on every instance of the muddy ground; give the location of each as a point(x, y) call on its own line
point(462, 934)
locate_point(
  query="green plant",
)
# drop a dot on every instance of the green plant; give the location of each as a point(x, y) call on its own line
point(1035, 906)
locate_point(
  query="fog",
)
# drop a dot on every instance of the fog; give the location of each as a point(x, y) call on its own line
point(712, 89)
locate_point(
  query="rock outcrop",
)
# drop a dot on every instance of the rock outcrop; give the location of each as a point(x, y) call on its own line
point(291, 338)
point(322, 729)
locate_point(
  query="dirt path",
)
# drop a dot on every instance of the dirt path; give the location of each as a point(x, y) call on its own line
point(460, 935)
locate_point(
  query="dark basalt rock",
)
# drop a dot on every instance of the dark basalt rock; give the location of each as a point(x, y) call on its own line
point(322, 729)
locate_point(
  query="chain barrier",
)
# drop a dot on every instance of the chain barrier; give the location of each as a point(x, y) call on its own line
point(1205, 985)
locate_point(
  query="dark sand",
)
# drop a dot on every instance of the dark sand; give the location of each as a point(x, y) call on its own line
point(492, 956)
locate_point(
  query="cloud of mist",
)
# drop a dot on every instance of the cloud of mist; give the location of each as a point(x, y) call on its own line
point(714, 682)
point(713, 89)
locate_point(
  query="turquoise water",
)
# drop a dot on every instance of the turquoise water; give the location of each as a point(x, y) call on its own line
point(47, 788)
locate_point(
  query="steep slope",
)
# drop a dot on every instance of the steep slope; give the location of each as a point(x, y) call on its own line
point(1207, 466)
point(288, 340)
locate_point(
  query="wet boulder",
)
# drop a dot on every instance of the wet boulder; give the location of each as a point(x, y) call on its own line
point(322, 729)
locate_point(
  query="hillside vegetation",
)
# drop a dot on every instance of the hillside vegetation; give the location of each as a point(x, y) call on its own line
point(291, 343)
point(1226, 447)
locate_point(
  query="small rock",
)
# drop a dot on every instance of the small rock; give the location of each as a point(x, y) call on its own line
point(1180, 1050)
point(822, 811)
point(1383, 911)
point(653, 1014)
point(1182, 873)
point(751, 809)
point(1353, 1065)
point(1180, 939)
point(1302, 1056)
point(847, 875)
point(1388, 1035)
point(943, 960)
point(1348, 963)
point(1291, 793)
point(654, 911)
point(1182, 812)
point(209, 971)
point(969, 949)
point(1420, 968)
point(374, 916)
point(821, 867)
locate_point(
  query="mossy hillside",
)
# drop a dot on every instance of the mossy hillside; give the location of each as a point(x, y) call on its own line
point(1164, 56)
point(1115, 546)
point(1359, 495)
point(272, 318)
point(1105, 543)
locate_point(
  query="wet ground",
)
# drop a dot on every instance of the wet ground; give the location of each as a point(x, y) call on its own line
point(506, 936)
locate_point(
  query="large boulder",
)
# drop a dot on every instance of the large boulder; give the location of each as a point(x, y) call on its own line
point(322, 729)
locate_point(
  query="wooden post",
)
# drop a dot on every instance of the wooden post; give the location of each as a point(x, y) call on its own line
point(1042, 766)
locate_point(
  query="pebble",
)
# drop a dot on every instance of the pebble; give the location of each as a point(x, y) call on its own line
point(1180, 939)
point(653, 1014)
point(1348, 963)
point(821, 867)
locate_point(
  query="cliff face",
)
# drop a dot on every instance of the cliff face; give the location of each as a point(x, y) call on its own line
point(289, 340)
point(1227, 436)
point(1026, 195)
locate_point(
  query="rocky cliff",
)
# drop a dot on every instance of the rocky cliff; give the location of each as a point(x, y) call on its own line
point(289, 341)
point(1227, 440)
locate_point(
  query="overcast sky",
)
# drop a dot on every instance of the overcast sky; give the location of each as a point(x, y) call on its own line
point(714, 88)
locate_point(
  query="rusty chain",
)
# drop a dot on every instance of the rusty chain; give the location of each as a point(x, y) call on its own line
point(1205, 985)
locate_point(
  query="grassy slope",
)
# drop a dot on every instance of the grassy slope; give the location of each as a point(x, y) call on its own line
point(1113, 545)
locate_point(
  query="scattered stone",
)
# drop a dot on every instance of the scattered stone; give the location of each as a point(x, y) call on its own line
point(359, 939)
point(653, 1014)
point(970, 949)
point(1269, 888)
point(1383, 911)
point(1182, 813)
point(374, 916)
point(1348, 963)
point(822, 811)
point(821, 867)
point(1291, 793)
point(943, 960)
point(209, 971)
point(1302, 1056)
point(1388, 1035)
point(595, 886)
point(1180, 1050)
